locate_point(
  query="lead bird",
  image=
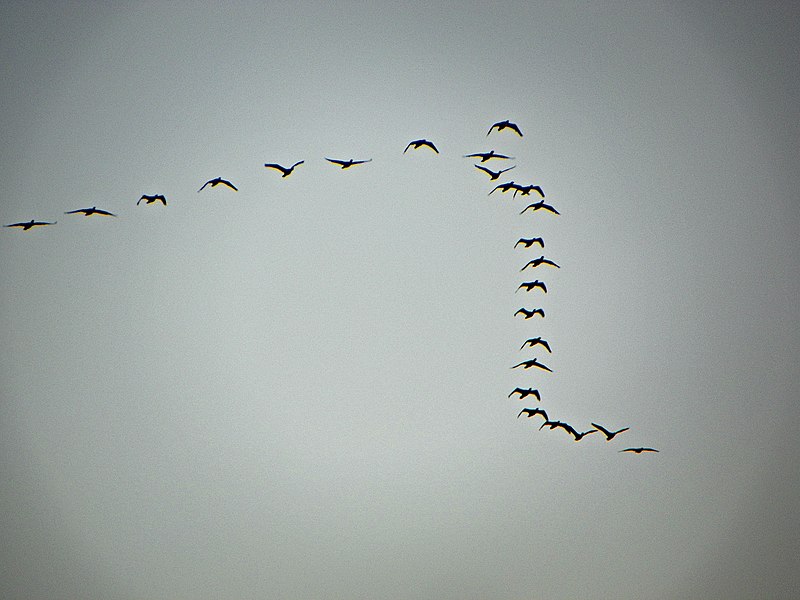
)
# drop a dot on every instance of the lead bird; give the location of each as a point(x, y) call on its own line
point(527, 243)
point(286, 171)
point(524, 393)
point(531, 412)
point(500, 125)
point(493, 175)
point(536, 262)
point(484, 156)
point(537, 341)
point(151, 199)
point(540, 206)
point(88, 212)
point(420, 143)
point(530, 285)
point(609, 434)
point(346, 164)
point(25, 226)
point(218, 181)
point(530, 313)
point(527, 364)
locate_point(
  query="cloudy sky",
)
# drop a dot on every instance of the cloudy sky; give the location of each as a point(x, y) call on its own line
point(300, 390)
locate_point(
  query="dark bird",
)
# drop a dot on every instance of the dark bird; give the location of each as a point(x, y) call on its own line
point(285, 170)
point(347, 163)
point(503, 187)
point(609, 434)
point(532, 412)
point(525, 393)
point(530, 313)
point(217, 181)
point(553, 424)
point(29, 224)
point(537, 341)
point(87, 212)
point(579, 436)
point(493, 175)
point(527, 243)
point(527, 364)
point(151, 199)
point(484, 156)
point(525, 190)
point(536, 262)
point(540, 206)
point(529, 285)
point(506, 125)
point(419, 143)
point(639, 450)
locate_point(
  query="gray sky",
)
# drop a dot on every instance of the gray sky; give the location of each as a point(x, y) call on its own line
point(299, 390)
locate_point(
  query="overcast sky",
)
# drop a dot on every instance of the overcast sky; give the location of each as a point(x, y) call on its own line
point(300, 390)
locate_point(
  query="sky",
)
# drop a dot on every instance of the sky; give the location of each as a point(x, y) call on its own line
point(300, 390)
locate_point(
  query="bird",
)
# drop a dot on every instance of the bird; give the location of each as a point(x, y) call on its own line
point(87, 212)
point(639, 450)
point(524, 393)
point(525, 190)
point(347, 163)
point(484, 156)
point(540, 206)
point(527, 243)
point(529, 285)
point(30, 224)
point(527, 364)
point(151, 199)
point(419, 143)
point(609, 434)
point(537, 341)
point(286, 171)
point(493, 175)
point(530, 313)
point(505, 125)
point(565, 426)
point(532, 412)
point(216, 181)
point(536, 262)
point(503, 187)
point(579, 436)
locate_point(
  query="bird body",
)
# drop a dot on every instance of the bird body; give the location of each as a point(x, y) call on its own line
point(151, 199)
point(419, 143)
point(345, 164)
point(527, 243)
point(525, 393)
point(25, 226)
point(537, 341)
point(87, 212)
point(484, 156)
point(527, 364)
point(639, 450)
point(285, 171)
point(530, 285)
point(493, 175)
point(540, 206)
point(525, 190)
point(500, 125)
point(532, 412)
point(537, 262)
point(609, 434)
point(530, 313)
point(217, 181)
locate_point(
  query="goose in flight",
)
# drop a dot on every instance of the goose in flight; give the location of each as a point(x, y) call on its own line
point(345, 164)
point(536, 262)
point(579, 436)
point(639, 450)
point(525, 190)
point(419, 143)
point(87, 212)
point(217, 181)
point(525, 393)
point(493, 175)
point(503, 187)
point(500, 125)
point(527, 243)
point(530, 285)
point(530, 412)
point(29, 224)
point(537, 341)
point(151, 199)
point(484, 156)
point(530, 313)
point(609, 434)
point(553, 424)
point(286, 171)
point(527, 364)
point(540, 206)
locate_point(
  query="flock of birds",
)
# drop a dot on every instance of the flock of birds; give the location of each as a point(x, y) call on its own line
point(526, 243)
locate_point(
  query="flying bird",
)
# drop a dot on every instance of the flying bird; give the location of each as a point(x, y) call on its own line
point(505, 125)
point(536, 262)
point(493, 175)
point(527, 243)
point(87, 212)
point(484, 156)
point(151, 199)
point(419, 143)
point(525, 393)
point(532, 412)
point(540, 206)
point(553, 424)
point(29, 224)
point(609, 434)
point(503, 187)
point(530, 313)
point(537, 341)
point(579, 436)
point(639, 450)
point(347, 163)
point(529, 285)
point(286, 171)
point(527, 364)
point(217, 181)
point(525, 190)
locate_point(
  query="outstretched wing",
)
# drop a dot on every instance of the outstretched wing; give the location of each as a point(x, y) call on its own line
point(229, 184)
point(341, 163)
point(277, 167)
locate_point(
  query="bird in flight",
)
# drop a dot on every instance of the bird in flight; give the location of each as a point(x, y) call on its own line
point(217, 181)
point(553, 424)
point(29, 224)
point(493, 175)
point(484, 156)
point(530, 285)
point(527, 243)
point(503, 187)
point(347, 163)
point(538, 262)
point(532, 412)
point(609, 434)
point(527, 364)
point(530, 313)
point(525, 393)
point(419, 143)
point(151, 199)
point(87, 212)
point(525, 190)
point(286, 171)
point(537, 341)
point(540, 206)
point(500, 125)
point(639, 450)
point(579, 436)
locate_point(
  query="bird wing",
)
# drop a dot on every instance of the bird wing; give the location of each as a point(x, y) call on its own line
point(140, 199)
point(407, 147)
point(621, 430)
point(105, 213)
point(299, 162)
point(535, 363)
point(514, 127)
point(336, 162)
point(277, 167)
point(548, 207)
point(204, 185)
point(431, 146)
point(78, 210)
point(361, 162)
point(229, 184)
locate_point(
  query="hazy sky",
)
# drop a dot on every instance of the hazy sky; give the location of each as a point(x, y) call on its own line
point(300, 390)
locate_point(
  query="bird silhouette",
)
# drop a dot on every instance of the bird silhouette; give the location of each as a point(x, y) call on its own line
point(553, 424)
point(30, 224)
point(525, 393)
point(527, 243)
point(540, 206)
point(527, 364)
point(484, 156)
point(609, 434)
point(217, 181)
point(500, 125)
point(151, 199)
point(530, 285)
point(525, 190)
point(530, 313)
point(579, 436)
point(87, 212)
point(345, 164)
point(639, 450)
point(419, 143)
point(493, 175)
point(537, 341)
point(536, 262)
point(532, 412)
point(286, 171)
point(503, 187)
